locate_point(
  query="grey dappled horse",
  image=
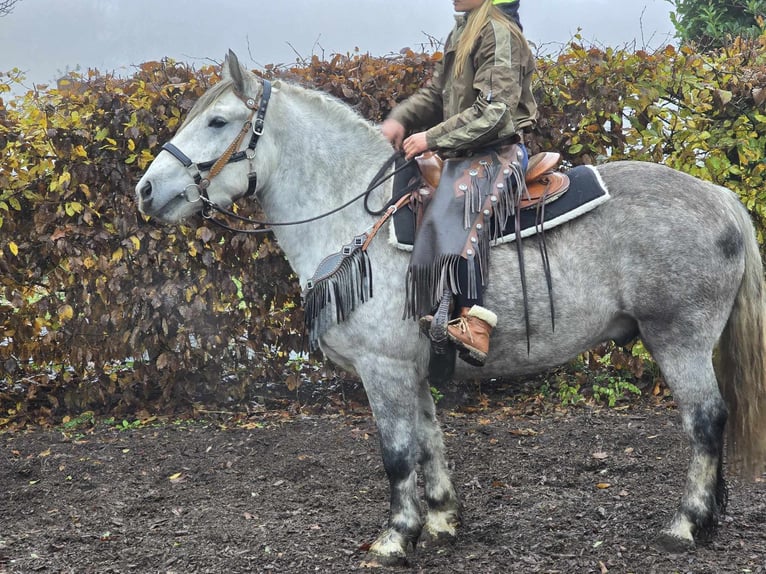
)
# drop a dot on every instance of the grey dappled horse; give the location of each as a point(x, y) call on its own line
point(670, 259)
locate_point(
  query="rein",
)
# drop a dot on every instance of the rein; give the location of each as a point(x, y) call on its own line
point(378, 180)
point(231, 155)
point(344, 277)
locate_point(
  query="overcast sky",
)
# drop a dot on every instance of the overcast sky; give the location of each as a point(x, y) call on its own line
point(45, 38)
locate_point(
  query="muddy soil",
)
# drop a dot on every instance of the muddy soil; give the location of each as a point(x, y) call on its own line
point(544, 489)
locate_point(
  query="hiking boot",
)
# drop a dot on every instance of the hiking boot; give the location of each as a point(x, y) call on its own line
point(470, 333)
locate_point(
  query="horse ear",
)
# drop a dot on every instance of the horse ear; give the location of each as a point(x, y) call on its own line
point(232, 70)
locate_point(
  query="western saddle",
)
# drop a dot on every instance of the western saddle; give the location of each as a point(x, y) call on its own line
point(543, 183)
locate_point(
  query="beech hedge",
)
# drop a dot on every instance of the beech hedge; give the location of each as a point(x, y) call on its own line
point(101, 309)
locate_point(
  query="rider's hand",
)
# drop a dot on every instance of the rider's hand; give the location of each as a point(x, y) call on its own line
point(415, 145)
point(393, 131)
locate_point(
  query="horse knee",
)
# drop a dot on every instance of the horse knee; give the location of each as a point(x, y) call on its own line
point(398, 463)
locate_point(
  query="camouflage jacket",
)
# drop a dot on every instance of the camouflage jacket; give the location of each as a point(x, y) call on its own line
point(491, 101)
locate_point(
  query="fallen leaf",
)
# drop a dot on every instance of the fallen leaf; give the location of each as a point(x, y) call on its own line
point(293, 382)
point(600, 455)
point(603, 485)
point(58, 234)
point(524, 432)
point(65, 313)
point(252, 425)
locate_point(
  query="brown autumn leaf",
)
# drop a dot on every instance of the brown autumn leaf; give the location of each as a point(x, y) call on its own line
point(524, 432)
point(293, 382)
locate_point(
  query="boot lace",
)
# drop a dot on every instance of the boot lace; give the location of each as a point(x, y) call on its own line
point(463, 326)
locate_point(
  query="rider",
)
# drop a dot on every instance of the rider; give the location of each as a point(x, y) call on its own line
point(479, 96)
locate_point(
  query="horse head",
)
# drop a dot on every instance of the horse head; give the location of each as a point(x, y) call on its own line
point(211, 159)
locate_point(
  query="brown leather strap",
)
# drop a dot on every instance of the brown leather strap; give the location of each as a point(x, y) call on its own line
point(405, 199)
point(233, 147)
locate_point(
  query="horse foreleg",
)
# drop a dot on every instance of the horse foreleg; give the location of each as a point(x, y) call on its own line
point(703, 414)
point(392, 392)
point(443, 517)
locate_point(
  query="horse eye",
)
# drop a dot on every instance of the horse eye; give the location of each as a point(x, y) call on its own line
point(217, 123)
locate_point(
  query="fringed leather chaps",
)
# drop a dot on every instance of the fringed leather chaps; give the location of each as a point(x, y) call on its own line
point(457, 226)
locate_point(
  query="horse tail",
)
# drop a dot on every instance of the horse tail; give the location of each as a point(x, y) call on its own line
point(742, 361)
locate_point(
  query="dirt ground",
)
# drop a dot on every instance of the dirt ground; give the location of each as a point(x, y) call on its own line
point(544, 490)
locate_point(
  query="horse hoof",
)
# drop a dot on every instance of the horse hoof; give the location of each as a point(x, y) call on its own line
point(436, 539)
point(673, 544)
point(380, 561)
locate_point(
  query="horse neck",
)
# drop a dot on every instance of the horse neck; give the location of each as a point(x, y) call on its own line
point(326, 156)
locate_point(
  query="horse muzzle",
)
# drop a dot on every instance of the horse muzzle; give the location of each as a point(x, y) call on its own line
point(173, 210)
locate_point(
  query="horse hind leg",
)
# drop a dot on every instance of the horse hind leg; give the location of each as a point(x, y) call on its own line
point(443, 517)
point(703, 412)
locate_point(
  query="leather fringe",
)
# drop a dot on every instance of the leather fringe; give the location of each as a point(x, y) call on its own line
point(426, 285)
point(496, 189)
point(346, 285)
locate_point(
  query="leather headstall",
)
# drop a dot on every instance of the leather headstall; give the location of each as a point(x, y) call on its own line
point(253, 125)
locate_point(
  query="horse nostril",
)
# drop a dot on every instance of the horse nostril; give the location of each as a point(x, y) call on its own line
point(146, 191)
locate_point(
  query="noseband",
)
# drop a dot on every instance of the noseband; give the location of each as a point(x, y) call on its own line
point(254, 124)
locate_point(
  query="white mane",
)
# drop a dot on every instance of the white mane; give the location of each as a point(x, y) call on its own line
point(330, 108)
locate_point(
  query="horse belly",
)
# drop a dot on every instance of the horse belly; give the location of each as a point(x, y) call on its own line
point(582, 310)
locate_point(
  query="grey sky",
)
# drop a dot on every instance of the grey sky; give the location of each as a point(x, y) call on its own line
point(46, 37)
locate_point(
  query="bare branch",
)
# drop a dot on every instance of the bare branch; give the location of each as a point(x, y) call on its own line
point(6, 7)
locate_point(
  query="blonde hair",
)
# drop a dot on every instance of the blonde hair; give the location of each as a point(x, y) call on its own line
point(477, 19)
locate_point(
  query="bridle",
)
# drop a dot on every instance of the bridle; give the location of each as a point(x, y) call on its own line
point(255, 123)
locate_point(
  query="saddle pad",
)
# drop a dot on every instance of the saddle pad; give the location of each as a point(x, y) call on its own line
point(402, 226)
point(586, 191)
